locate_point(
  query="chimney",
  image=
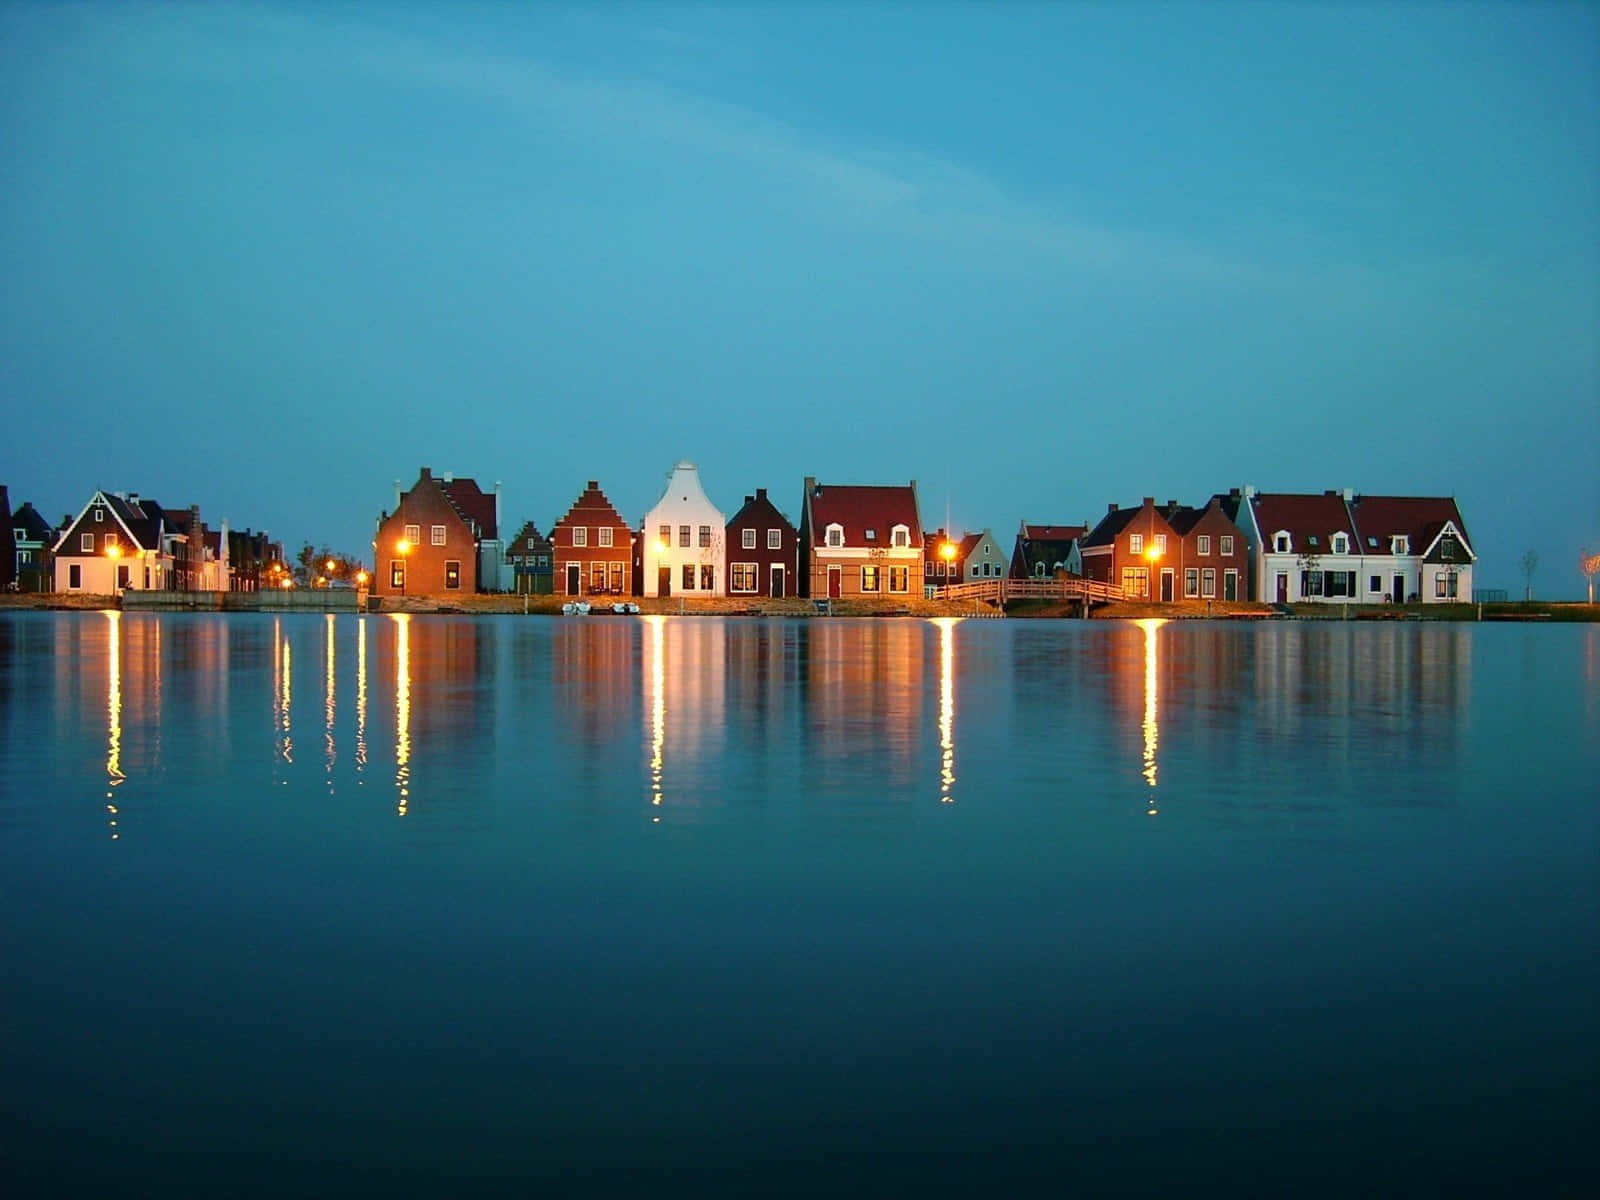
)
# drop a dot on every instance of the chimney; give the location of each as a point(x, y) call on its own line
point(397, 495)
point(426, 473)
point(1149, 501)
point(811, 488)
point(1172, 505)
point(498, 531)
point(1110, 508)
point(1233, 493)
point(1349, 494)
point(1250, 491)
point(133, 498)
point(761, 493)
point(594, 485)
point(749, 499)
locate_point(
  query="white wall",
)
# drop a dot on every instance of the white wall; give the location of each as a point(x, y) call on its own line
point(684, 502)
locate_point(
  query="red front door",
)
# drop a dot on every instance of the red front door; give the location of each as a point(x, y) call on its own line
point(835, 582)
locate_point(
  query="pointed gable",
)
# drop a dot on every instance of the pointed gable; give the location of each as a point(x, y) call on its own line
point(867, 515)
point(1420, 520)
point(591, 510)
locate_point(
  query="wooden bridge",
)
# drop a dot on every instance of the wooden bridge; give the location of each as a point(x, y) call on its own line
point(1064, 588)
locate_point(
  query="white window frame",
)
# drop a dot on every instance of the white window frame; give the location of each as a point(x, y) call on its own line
point(580, 535)
point(1191, 583)
point(705, 537)
point(1227, 544)
point(774, 539)
point(1399, 543)
point(436, 535)
point(86, 543)
point(1160, 542)
point(1208, 583)
point(877, 578)
point(1202, 544)
point(748, 572)
point(834, 535)
point(1282, 542)
point(606, 533)
point(1136, 543)
point(900, 537)
point(747, 539)
point(1340, 543)
point(413, 534)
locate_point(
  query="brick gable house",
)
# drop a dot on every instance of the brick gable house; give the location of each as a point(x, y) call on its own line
point(762, 550)
point(1213, 558)
point(1136, 549)
point(431, 544)
point(593, 548)
point(859, 541)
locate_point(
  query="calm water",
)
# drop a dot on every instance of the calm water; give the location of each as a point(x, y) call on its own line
point(443, 906)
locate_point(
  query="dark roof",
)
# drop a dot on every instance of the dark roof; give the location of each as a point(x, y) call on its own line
point(519, 543)
point(37, 528)
point(1053, 533)
point(474, 504)
point(1110, 525)
point(1303, 516)
point(858, 508)
point(759, 508)
point(1419, 518)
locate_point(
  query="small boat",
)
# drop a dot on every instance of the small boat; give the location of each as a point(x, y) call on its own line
point(625, 608)
point(575, 608)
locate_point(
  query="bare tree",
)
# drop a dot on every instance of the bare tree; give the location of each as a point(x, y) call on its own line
point(1530, 564)
point(1589, 567)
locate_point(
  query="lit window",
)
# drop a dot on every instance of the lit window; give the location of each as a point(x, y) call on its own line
point(1160, 541)
point(616, 579)
point(774, 539)
point(899, 579)
point(1202, 544)
point(664, 534)
point(414, 534)
point(869, 579)
point(452, 574)
point(743, 577)
point(605, 533)
point(397, 573)
point(110, 540)
point(597, 578)
point(747, 539)
point(580, 535)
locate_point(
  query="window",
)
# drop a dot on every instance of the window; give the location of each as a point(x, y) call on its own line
point(438, 535)
point(938, 569)
point(99, 514)
point(835, 535)
point(774, 539)
point(1135, 582)
point(1339, 583)
point(1311, 583)
point(75, 576)
point(1372, 542)
point(109, 540)
point(688, 577)
point(414, 534)
point(927, 567)
point(1160, 540)
point(580, 535)
point(1399, 544)
point(1444, 586)
point(1136, 543)
point(532, 543)
point(397, 573)
point(1208, 583)
point(1280, 543)
point(616, 579)
point(452, 574)
point(86, 543)
point(872, 535)
point(683, 535)
point(605, 532)
point(664, 535)
point(1448, 547)
point(1311, 539)
point(900, 536)
point(869, 579)
point(1202, 544)
point(708, 577)
point(1227, 544)
point(1341, 544)
point(899, 579)
point(743, 577)
point(705, 536)
point(1038, 570)
point(597, 578)
point(1191, 582)
point(1374, 584)
point(747, 539)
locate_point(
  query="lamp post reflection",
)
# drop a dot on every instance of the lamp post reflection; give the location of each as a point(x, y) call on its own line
point(402, 710)
point(114, 775)
point(282, 691)
point(330, 753)
point(1151, 727)
point(947, 707)
point(361, 694)
point(658, 706)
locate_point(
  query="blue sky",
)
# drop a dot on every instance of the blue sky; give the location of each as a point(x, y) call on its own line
point(270, 258)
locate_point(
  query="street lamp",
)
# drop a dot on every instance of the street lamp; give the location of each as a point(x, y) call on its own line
point(114, 553)
point(402, 548)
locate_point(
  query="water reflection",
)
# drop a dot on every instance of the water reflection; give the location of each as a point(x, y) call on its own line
point(1151, 727)
point(658, 705)
point(330, 751)
point(114, 775)
point(282, 691)
point(947, 707)
point(361, 694)
point(402, 710)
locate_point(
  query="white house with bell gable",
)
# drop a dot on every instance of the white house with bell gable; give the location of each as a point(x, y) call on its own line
point(683, 540)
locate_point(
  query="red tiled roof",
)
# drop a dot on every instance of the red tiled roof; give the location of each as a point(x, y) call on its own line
point(591, 508)
point(1053, 533)
point(473, 503)
point(1418, 518)
point(860, 508)
point(1303, 516)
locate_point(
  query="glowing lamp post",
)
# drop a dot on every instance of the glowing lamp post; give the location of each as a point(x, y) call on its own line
point(402, 548)
point(114, 553)
point(1152, 556)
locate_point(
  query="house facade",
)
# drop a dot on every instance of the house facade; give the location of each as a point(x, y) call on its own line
point(8, 544)
point(859, 541)
point(1213, 557)
point(682, 545)
point(1135, 549)
point(34, 539)
point(1039, 551)
point(971, 558)
point(763, 550)
point(429, 545)
point(532, 561)
point(593, 548)
point(116, 542)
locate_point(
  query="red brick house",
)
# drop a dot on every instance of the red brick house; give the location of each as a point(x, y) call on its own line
point(762, 550)
point(941, 560)
point(593, 548)
point(859, 541)
point(1213, 556)
point(1135, 549)
point(430, 545)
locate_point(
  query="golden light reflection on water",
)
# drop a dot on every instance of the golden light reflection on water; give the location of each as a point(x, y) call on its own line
point(282, 692)
point(658, 705)
point(114, 775)
point(402, 710)
point(330, 751)
point(947, 707)
point(1151, 727)
point(361, 693)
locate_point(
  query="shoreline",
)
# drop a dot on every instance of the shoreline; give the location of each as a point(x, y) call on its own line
point(1559, 612)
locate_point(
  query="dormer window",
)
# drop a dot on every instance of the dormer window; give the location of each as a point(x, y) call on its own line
point(1311, 539)
point(1341, 544)
point(872, 535)
point(1372, 542)
point(1281, 543)
point(900, 536)
point(834, 535)
point(1399, 544)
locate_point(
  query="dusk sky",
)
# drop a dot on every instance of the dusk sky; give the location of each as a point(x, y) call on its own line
point(269, 259)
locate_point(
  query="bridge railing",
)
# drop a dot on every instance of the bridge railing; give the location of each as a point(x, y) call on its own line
point(1001, 590)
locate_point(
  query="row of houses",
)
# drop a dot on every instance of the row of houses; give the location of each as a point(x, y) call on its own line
point(864, 541)
point(121, 541)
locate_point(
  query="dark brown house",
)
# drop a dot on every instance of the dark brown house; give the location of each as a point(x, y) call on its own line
point(763, 550)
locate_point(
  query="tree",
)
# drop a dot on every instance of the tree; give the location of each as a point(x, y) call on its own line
point(1530, 564)
point(1310, 563)
point(1589, 567)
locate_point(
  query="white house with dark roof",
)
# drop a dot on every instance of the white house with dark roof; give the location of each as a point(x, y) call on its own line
point(116, 542)
point(684, 539)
